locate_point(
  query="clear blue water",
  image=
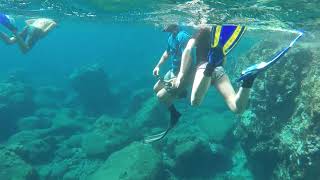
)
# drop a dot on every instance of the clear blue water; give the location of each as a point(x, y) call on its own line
point(115, 46)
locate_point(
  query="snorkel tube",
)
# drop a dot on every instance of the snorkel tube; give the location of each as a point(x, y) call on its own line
point(7, 22)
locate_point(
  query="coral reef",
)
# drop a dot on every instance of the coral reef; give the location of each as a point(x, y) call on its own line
point(280, 135)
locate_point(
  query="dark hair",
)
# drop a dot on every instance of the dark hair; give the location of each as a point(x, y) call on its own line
point(171, 28)
point(202, 42)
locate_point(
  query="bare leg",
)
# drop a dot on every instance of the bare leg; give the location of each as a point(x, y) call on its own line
point(24, 33)
point(166, 97)
point(158, 86)
point(200, 87)
point(26, 39)
point(33, 37)
point(236, 102)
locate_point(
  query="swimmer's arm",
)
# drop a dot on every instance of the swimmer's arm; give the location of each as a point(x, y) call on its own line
point(7, 39)
point(186, 59)
point(163, 58)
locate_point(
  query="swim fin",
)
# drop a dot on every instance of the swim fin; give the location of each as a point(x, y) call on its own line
point(255, 69)
point(8, 22)
point(157, 137)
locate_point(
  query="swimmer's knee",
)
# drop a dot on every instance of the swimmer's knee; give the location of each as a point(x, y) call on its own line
point(238, 111)
point(161, 96)
point(155, 88)
point(164, 96)
point(195, 102)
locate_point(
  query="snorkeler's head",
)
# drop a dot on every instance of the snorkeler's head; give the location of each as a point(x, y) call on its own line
point(202, 39)
point(172, 28)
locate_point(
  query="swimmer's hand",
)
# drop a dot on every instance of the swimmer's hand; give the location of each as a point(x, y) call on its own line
point(156, 71)
point(178, 81)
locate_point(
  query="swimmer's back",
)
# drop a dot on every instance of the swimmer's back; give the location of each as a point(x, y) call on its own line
point(42, 23)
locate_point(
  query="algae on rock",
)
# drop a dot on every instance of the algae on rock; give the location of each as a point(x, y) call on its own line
point(136, 161)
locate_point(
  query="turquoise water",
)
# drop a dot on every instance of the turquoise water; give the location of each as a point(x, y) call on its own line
point(79, 104)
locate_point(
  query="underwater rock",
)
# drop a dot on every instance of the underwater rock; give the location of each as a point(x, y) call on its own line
point(38, 146)
point(93, 89)
point(279, 134)
point(70, 161)
point(32, 147)
point(94, 145)
point(83, 169)
point(137, 100)
point(63, 131)
point(74, 141)
point(51, 97)
point(33, 122)
point(193, 155)
point(45, 113)
point(136, 161)
point(239, 170)
point(108, 135)
point(37, 151)
point(216, 125)
point(150, 115)
point(65, 123)
point(16, 101)
point(12, 167)
point(72, 168)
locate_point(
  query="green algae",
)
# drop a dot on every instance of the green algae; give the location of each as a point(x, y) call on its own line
point(136, 161)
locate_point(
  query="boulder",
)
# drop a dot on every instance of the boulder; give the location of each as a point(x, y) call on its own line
point(33, 122)
point(192, 155)
point(14, 168)
point(107, 135)
point(151, 115)
point(95, 145)
point(50, 96)
point(93, 89)
point(136, 161)
point(32, 146)
point(137, 100)
point(16, 101)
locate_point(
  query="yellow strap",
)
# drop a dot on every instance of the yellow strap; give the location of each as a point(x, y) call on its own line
point(231, 39)
point(216, 37)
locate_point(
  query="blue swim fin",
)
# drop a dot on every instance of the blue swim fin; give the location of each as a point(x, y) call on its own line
point(263, 66)
point(8, 22)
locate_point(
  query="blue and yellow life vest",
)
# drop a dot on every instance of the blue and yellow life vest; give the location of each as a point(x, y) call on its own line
point(223, 40)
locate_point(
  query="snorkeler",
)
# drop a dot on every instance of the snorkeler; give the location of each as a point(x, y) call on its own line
point(212, 46)
point(35, 30)
point(164, 89)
